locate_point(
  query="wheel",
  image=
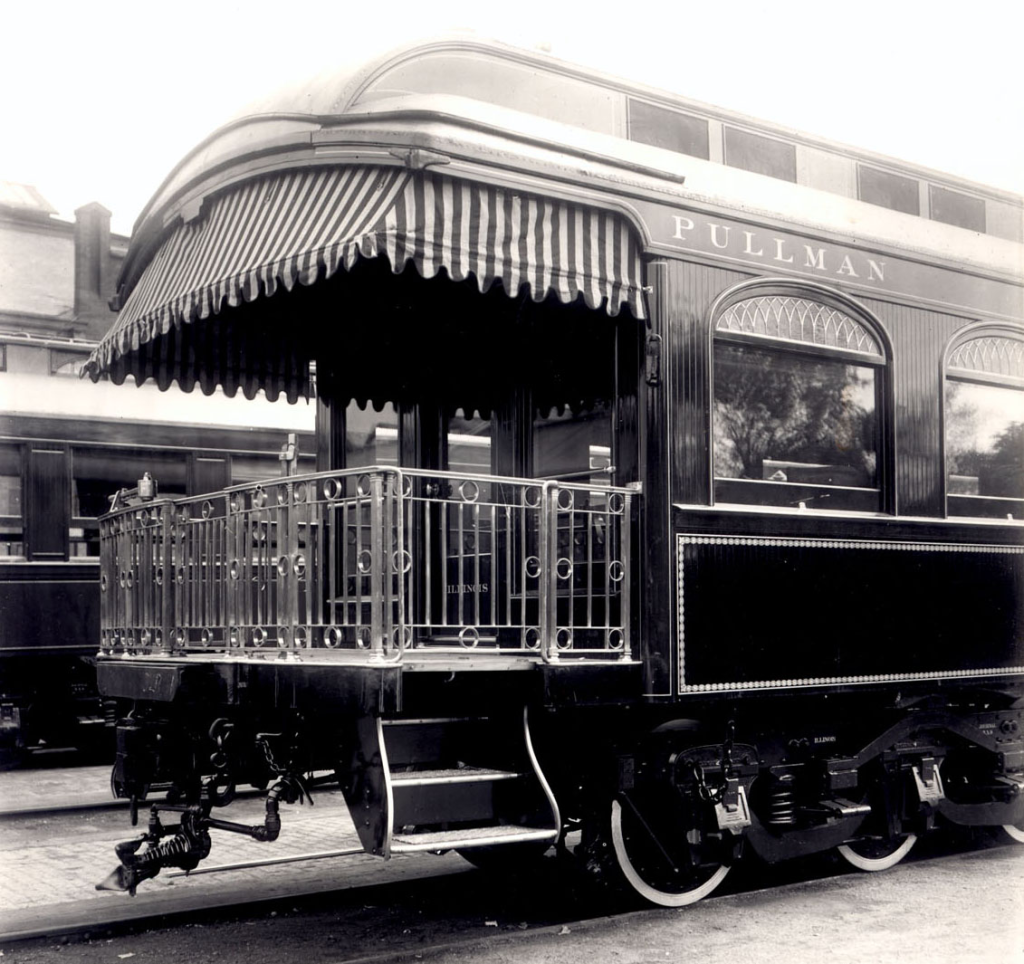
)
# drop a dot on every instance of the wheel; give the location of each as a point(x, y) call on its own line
point(1015, 831)
point(684, 876)
point(874, 854)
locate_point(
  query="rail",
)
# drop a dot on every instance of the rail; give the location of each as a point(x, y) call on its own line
point(375, 561)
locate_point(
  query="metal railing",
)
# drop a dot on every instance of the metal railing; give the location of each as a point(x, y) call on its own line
point(378, 561)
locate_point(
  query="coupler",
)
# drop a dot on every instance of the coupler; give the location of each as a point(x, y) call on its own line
point(191, 842)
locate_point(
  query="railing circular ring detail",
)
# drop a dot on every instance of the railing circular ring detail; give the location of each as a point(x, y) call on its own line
point(364, 562)
point(179, 636)
point(364, 485)
point(299, 565)
point(206, 637)
point(282, 637)
point(401, 636)
point(563, 568)
point(532, 567)
point(159, 575)
point(207, 509)
point(281, 494)
point(563, 639)
point(532, 496)
point(469, 636)
point(299, 492)
point(332, 638)
point(568, 501)
point(259, 497)
point(616, 503)
point(401, 561)
point(180, 575)
point(531, 638)
point(469, 491)
point(282, 566)
point(616, 571)
point(259, 636)
point(234, 569)
point(332, 489)
point(615, 640)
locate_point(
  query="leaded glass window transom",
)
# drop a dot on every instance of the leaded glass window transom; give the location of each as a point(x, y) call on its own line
point(787, 318)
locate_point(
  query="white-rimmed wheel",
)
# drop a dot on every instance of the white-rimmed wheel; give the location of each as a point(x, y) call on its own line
point(1015, 831)
point(877, 853)
point(665, 871)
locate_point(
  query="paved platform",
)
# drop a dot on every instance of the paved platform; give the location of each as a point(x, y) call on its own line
point(50, 864)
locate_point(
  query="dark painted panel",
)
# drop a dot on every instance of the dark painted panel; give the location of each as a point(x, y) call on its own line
point(919, 338)
point(47, 504)
point(45, 607)
point(819, 611)
point(689, 292)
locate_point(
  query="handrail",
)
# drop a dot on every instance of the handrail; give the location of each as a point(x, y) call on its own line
point(372, 563)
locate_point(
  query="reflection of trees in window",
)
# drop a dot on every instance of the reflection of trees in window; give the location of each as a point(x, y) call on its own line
point(984, 440)
point(786, 417)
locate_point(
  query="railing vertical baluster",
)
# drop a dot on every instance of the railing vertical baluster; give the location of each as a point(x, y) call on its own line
point(460, 556)
point(427, 606)
point(287, 579)
point(545, 585)
point(444, 563)
point(477, 575)
point(509, 515)
point(589, 519)
point(625, 587)
point(492, 611)
point(166, 587)
point(387, 582)
point(376, 563)
point(357, 554)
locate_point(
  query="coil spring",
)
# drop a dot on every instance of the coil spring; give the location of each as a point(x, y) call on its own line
point(179, 845)
point(782, 802)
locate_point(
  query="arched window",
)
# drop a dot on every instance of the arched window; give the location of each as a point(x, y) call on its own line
point(984, 422)
point(798, 399)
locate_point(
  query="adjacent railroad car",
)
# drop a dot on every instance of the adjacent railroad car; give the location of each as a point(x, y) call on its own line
point(66, 448)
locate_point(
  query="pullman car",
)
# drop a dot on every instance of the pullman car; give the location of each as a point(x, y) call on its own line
point(65, 449)
point(668, 491)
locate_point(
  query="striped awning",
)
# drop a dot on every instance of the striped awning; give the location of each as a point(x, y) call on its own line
point(300, 226)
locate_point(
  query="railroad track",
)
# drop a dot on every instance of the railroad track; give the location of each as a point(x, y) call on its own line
point(468, 917)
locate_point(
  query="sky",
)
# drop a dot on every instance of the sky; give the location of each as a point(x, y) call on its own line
point(99, 100)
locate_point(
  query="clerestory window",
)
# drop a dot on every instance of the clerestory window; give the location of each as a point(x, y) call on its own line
point(798, 402)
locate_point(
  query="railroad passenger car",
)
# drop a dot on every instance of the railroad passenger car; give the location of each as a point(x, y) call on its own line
point(66, 448)
point(668, 491)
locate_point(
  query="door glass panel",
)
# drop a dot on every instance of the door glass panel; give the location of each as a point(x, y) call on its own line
point(574, 446)
point(469, 444)
point(371, 437)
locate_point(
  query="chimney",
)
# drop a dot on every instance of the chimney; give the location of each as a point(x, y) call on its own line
point(93, 281)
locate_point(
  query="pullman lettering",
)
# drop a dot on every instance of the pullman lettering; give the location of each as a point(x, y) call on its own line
point(765, 246)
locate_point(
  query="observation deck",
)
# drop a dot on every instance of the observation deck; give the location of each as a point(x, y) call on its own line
point(374, 565)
